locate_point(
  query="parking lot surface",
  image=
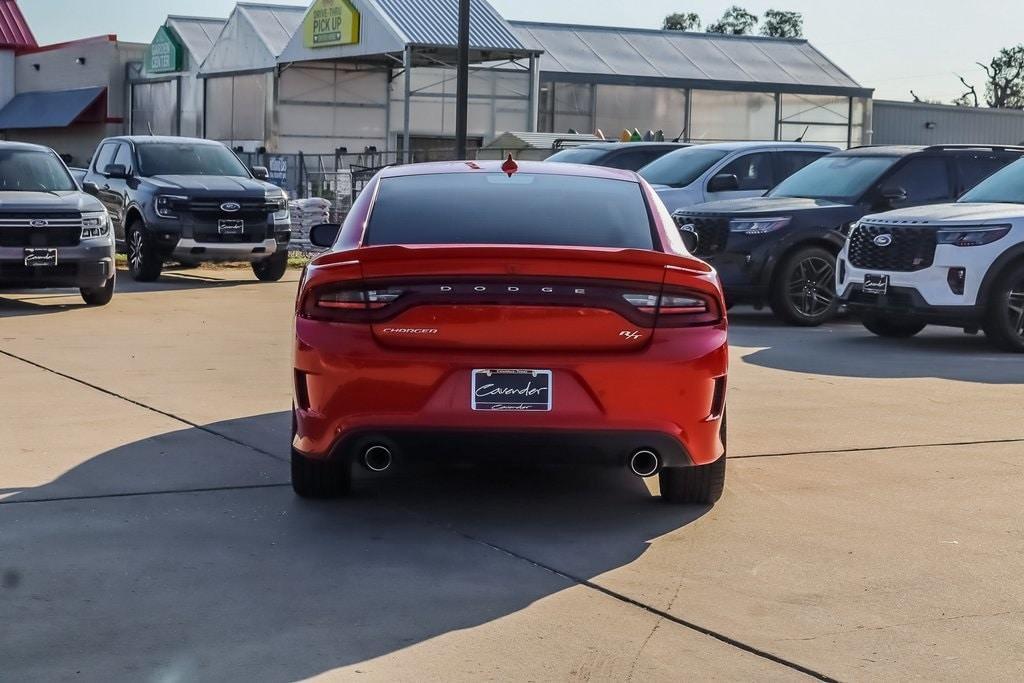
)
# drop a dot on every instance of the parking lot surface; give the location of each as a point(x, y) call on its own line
point(870, 530)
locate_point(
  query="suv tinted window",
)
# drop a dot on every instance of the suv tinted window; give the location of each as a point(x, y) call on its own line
point(633, 160)
point(105, 157)
point(788, 163)
point(976, 167)
point(925, 179)
point(491, 208)
point(754, 171)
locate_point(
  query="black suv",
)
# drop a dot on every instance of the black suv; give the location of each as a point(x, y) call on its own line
point(781, 249)
point(189, 201)
point(628, 156)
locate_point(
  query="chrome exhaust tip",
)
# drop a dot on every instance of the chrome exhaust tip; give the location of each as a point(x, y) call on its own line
point(377, 458)
point(644, 463)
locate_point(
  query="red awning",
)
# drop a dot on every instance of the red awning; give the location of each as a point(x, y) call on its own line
point(15, 33)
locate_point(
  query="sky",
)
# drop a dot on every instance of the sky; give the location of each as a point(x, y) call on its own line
point(893, 46)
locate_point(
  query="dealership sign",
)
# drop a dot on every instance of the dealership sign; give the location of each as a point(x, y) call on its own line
point(331, 22)
point(165, 54)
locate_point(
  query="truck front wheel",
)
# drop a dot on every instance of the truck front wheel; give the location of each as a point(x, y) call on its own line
point(271, 269)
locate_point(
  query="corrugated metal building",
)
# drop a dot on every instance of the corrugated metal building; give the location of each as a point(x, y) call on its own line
point(15, 35)
point(911, 123)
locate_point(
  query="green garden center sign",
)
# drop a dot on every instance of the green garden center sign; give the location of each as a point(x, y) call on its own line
point(165, 54)
point(331, 22)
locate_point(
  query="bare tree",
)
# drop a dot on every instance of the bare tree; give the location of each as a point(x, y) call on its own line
point(969, 98)
point(682, 21)
point(1004, 87)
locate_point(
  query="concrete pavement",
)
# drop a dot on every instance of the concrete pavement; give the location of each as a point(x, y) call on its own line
point(147, 531)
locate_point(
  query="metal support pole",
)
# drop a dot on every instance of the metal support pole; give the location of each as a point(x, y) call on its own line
point(406, 134)
point(462, 87)
point(534, 111)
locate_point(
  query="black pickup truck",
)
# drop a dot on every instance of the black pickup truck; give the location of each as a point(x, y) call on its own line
point(190, 201)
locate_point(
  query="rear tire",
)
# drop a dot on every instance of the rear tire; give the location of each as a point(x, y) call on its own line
point(144, 264)
point(273, 268)
point(98, 296)
point(1004, 319)
point(320, 478)
point(891, 328)
point(804, 290)
point(698, 485)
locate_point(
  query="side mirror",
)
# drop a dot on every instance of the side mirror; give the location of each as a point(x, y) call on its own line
point(894, 194)
point(118, 171)
point(724, 182)
point(260, 173)
point(324, 235)
point(89, 187)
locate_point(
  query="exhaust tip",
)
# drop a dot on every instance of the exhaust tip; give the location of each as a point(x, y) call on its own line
point(644, 463)
point(377, 458)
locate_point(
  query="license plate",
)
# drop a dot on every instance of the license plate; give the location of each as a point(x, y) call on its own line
point(231, 227)
point(40, 258)
point(876, 284)
point(512, 390)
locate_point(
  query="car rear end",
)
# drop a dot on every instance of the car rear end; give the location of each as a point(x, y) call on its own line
point(540, 314)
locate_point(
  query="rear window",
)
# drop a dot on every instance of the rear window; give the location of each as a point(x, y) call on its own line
point(491, 208)
point(583, 155)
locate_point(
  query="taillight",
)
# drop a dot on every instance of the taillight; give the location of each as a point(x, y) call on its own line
point(680, 308)
point(347, 303)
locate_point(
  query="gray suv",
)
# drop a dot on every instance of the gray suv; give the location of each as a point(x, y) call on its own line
point(51, 233)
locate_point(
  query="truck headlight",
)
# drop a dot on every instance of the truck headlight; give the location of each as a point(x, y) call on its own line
point(165, 205)
point(95, 225)
point(757, 226)
point(283, 214)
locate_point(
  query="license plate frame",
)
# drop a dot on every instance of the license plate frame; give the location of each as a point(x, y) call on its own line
point(232, 226)
point(876, 284)
point(527, 391)
point(40, 258)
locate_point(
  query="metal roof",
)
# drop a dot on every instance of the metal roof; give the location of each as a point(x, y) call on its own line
point(436, 22)
point(49, 109)
point(654, 57)
point(197, 34)
point(15, 33)
point(252, 39)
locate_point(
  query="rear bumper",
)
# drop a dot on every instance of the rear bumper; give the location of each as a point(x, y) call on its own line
point(81, 266)
point(605, 405)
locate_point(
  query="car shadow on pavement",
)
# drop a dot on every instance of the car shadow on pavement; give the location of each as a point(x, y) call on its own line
point(114, 576)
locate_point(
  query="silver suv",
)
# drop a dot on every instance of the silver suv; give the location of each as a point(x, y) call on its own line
point(51, 233)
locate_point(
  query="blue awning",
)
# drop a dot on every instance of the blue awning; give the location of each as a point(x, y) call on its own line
point(50, 109)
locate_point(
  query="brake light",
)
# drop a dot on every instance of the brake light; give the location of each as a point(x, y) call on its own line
point(677, 308)
point(348, 303)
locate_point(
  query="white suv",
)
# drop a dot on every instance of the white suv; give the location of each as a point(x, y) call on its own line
point(959, 265)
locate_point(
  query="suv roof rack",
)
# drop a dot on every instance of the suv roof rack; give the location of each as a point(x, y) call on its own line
point(994, 148)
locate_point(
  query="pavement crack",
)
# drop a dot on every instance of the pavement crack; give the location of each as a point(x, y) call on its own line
point(623, 598)
point(869, 449)
point(145, 406)
point(139, 494)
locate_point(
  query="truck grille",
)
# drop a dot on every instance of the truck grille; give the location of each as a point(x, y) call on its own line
point(250, 209)
point(712, 232)
point(911, 249)
point(26, 230)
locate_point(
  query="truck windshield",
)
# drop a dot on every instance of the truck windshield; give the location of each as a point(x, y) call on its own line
point(29, 170)
point(156, 159)
point(491, 208)
point(835, 178)
point(1005, 187)
point(582, 155)
point(679, 169)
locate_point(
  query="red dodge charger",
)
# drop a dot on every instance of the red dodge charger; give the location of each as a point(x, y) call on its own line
point(526, 311)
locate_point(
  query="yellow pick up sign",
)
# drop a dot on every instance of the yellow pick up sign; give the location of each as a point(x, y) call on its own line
point(331, 22)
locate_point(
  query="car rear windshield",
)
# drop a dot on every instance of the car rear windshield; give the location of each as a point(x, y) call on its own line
point(1005, 187)
point(837, 178)
point(29, 170)
point(156, 159)
point(492, 208)
point(679, 169)
point(578, 156)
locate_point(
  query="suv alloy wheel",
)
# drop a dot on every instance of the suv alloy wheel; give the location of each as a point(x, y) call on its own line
point(804, 292)
point(1004, 324)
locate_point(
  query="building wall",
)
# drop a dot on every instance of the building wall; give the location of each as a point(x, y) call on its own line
point(239, 110)
point(909, 123)
point(6, 76)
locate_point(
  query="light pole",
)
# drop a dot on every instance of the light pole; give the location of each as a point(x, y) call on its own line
point(462, 83)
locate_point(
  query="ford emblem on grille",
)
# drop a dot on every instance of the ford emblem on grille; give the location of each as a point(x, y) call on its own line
point(230, 207)
point(883, 240)
point(39, 224)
